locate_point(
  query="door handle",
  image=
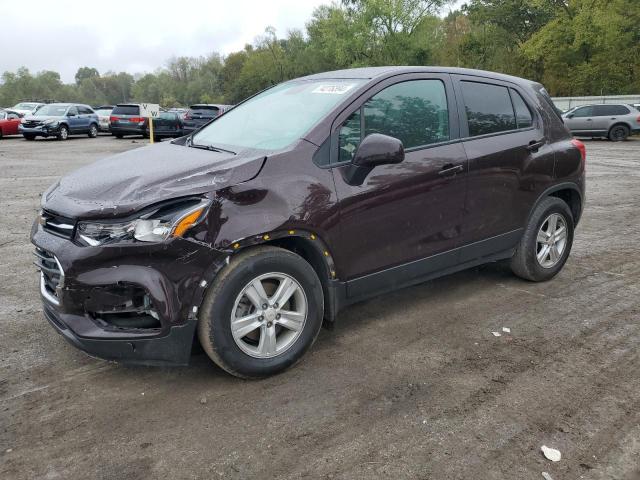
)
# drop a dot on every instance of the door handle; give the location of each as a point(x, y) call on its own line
point(589, 119)
point(450, 169)
point(534, 145)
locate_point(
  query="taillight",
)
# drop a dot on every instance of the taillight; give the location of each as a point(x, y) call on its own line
point(583, 150)
point(136, 119)
point(113, 119)
point(638, 119)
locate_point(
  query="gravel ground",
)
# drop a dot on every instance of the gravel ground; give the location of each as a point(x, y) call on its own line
point(410, 385)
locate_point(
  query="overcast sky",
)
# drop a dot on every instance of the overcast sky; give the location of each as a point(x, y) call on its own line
point(135, 36)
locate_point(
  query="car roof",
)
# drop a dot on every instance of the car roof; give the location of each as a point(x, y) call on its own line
point(200, 105)
point(371, 73)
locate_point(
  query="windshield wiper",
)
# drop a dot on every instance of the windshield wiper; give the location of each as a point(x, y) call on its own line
point(211, 148)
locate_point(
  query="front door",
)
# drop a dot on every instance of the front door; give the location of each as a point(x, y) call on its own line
point(407, 211)
point(74, 120)
point(580, 120)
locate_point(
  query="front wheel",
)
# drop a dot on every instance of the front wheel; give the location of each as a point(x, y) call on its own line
point(93, 131)
point(546, 242)
point(63, 134)
point(262, 313)
point(29, 137)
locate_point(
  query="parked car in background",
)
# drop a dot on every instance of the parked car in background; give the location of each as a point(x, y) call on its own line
point(9, 122)
point(125, 119)
point(26, 108)
point(60, 120)
point(200, 114)
point(613, 121)
point(166, 124)
point(231, 233)
point(103, 112)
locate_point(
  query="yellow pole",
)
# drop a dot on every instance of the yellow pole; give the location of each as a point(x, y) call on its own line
point(150, 128)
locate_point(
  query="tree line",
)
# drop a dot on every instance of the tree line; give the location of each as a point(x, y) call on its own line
point(574, 47)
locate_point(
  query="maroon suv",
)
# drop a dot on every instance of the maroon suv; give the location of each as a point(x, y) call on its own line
point(314, 194)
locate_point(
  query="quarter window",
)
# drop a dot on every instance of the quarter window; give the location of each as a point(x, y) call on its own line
point(415, 112)
point(606, 110)
point(524, 119)
point(488, 108)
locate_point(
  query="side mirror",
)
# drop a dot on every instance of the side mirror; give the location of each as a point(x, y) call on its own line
point(375, 149)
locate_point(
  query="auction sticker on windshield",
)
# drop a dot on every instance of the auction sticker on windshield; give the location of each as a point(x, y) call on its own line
point(336, 89)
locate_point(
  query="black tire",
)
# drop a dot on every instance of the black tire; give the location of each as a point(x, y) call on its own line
point(118, 135)
point(93, 131)
point(63, 134)
point(214, 326)
point(0, 134)
point(524, 262)
point(619, 133)
point(29, 137)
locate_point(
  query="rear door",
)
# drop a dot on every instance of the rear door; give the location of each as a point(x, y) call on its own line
point(604, 116)
point(86, 116)
point(407, 211)
point(509, 158)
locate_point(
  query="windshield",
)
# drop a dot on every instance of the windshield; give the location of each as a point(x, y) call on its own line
point(278, 116)
point(51, 110)
point(26, 106)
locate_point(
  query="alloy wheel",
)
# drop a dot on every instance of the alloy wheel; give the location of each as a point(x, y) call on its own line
point(551, 240)
point(269, 315)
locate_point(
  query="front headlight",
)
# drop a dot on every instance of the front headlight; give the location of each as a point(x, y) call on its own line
point(51, 122)
point(157, 226)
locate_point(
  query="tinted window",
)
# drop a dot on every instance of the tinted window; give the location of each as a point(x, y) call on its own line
point(414, 112)
point(583, 112)
point(72, 111)
point(84, 110)
point(126, 110)
point(524, 119)
point(604, 110)
point(488, 108)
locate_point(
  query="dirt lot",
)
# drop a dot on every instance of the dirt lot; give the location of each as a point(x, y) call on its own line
point(411, 385)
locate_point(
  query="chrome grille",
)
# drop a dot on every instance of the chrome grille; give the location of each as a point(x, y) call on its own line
point(56, 224)
point(51, 274)
point(32, 123)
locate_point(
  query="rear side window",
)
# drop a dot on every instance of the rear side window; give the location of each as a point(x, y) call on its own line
point(204, 112)
point(84, 110)
point(524, 119)
point(126, 110)
point(604, 110)
point(488, 108)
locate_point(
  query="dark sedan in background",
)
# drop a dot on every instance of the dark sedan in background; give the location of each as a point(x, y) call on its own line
point(125, 119)
point(167, 124)
point(201, 114)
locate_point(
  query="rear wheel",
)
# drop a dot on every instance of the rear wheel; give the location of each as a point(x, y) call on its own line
point(262, 313)
point(63, 134)
point(546, 242)
point(93, 131)
point(618, 133)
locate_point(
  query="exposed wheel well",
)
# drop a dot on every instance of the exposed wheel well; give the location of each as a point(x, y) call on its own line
point(313, 255)
point(571, 198)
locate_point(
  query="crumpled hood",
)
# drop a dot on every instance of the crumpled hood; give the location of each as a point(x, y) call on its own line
point(121, 184)
point(42, 118)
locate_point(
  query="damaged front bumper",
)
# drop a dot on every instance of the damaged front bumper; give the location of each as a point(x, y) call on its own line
point(134, 303)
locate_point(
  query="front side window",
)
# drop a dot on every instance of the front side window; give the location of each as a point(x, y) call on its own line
point(276, 117)
point(415, 112)
point(583, 112)
point(488, 108)
point(72, 111)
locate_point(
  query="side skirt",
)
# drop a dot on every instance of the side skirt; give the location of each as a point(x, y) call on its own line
point(485, 251)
